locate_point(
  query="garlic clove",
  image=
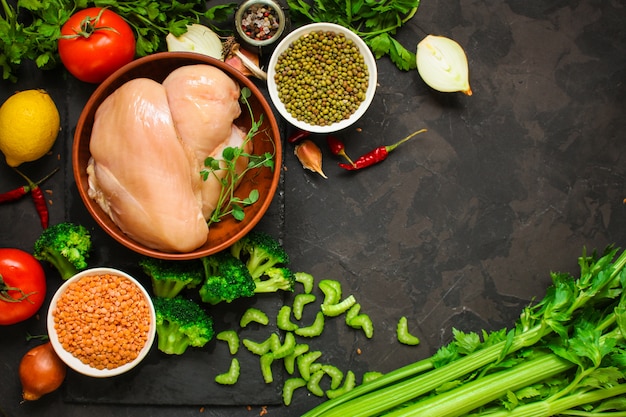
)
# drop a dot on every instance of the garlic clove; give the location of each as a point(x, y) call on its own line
point(442, 64)
point(310, 156)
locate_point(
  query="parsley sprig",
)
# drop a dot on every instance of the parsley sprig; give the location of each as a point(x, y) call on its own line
point(30, 29)
point(376, 22)
point(228, 203)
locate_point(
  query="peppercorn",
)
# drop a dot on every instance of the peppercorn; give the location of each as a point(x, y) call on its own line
point(260, 22)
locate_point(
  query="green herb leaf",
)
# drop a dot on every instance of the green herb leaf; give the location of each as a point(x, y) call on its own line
point(376, 22)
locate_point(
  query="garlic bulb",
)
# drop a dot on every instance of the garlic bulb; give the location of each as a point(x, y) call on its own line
point(198, 38)
point(442, 64)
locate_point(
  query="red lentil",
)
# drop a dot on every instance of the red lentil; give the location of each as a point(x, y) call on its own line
point(103, 320)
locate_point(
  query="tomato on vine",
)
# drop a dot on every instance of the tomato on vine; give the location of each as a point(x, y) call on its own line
point(94, 43)
point(22, 286)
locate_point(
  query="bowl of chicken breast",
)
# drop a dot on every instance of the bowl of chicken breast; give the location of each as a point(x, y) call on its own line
point(177, 155)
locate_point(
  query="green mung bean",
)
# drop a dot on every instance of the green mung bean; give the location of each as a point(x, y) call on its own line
point(321, 78)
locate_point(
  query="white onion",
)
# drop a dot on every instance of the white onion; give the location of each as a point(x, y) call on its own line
point(198, 38)
point(442, 64)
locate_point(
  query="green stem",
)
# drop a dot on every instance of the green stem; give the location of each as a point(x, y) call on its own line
point(414, 384)
point(381, 382)
point(550, 407)
point(7, 11)
point(387, 28)
point(482, 391)
point(400, 142)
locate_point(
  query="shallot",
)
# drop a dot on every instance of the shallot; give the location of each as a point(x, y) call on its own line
point(41, 372)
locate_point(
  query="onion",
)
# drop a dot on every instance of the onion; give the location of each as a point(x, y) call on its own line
point(198, 38)
point(41, 372)
point(201, 39)
point(442, 64)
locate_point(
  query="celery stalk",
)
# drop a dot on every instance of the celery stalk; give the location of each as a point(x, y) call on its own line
point(469, 396)
point(368, 402)
point(600, 283)
point(563, 405)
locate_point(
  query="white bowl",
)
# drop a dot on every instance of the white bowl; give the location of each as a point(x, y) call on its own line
point(369, 61)
point(74, 362)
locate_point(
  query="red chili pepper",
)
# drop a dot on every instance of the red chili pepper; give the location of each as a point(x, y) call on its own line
point(39, 200)
point(298, 135)
point(376, 155)
point(15, 194)
point(20, 192)
point(337, 147)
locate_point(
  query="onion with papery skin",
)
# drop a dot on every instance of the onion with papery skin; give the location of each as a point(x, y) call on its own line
point(442, 64)
point(199, 39)
point(41, 372)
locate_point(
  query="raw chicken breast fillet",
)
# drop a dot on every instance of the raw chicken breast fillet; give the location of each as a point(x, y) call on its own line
point(204, 102)
point(142, 174)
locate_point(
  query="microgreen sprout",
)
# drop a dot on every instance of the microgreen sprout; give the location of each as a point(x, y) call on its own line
point(228, 202)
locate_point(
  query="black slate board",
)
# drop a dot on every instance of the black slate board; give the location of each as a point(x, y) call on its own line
point(188, 379)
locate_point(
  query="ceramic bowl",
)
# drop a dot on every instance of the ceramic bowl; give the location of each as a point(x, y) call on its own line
point(285, 44)
point(77, 309)
point(228, 230)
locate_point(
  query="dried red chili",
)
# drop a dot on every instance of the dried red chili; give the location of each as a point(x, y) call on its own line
point(376, 155)
point(337, 147)
point(298, 135)
point(20, 192)
point(38, 199)
point(15, 194)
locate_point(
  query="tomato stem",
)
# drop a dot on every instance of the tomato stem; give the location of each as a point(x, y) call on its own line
point(88, 27)
point(4, 293)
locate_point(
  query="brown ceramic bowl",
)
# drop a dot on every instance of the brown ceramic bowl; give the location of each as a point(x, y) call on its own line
point(228, 230)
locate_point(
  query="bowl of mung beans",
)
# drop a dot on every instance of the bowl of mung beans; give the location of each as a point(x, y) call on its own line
point(322, 77)
point(101, 322)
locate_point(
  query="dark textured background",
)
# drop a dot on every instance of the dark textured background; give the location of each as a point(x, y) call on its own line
point(459, 228)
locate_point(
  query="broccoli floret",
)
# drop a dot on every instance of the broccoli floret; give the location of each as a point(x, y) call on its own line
point(259, 251)
point(226, 279)
point(66, 246)
point(181, 323)
point(169, 278)
point(274, 279)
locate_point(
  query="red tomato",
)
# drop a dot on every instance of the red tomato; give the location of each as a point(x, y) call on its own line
point(22, 285)
point(94, 43)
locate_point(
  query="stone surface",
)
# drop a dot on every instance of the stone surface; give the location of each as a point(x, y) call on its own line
point(458, 228)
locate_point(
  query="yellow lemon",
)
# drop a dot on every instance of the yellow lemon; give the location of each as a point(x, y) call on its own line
point(29, 126)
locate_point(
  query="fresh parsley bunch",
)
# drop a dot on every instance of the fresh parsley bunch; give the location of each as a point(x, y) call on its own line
point(376, 22)
point(30, 29)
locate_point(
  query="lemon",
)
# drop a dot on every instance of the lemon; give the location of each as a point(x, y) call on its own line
point(29, 126)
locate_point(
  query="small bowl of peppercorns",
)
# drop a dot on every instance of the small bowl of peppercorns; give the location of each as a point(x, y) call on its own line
point(260, 24)
point(322, 77)
point(101, 322)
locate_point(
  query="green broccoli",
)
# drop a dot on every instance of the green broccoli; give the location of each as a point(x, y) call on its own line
point(169, 277)
point(274, 279)
point(181, 323)
point(259, 251)
point(66, 246)
point(226, 279)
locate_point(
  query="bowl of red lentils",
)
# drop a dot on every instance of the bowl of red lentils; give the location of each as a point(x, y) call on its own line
point(101, 322)
point(322, 77)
